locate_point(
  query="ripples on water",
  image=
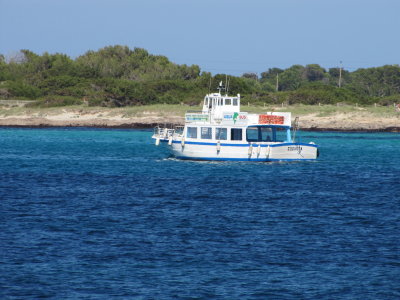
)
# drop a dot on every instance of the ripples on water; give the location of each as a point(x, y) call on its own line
point(105, 214)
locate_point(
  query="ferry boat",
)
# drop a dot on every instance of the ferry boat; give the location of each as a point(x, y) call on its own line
point(222, 132)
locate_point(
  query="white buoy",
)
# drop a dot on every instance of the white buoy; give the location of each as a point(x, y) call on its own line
point(157, 141)
point(268, 151)
point(183, 142)
point(170, 140)
point(258, 149)
point(218, 146)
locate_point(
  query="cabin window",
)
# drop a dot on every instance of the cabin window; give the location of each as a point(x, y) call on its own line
point(252, 134)
point(281, 134)
point(228, 102)
point(192, 132)
point(266, 134)
point(236, 134)
point(221, 133)
point(260, 134)
point(235, 101)
point(206, 133)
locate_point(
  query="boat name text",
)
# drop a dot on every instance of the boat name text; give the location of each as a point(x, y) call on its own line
point(295, 148)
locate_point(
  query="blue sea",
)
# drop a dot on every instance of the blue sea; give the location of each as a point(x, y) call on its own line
point(105, 214)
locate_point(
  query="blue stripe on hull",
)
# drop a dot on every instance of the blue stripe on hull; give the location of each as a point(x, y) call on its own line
point(247, 145)
point(242, 159)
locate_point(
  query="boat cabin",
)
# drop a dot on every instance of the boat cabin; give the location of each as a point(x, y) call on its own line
point(222, 120)
point(249, 134)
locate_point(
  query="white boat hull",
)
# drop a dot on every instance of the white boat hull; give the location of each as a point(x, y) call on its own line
point(244, 152)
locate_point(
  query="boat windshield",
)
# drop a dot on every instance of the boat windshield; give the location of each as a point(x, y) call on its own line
point(265, 134)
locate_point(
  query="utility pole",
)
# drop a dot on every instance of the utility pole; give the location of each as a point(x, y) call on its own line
point(340, 74)
point(226, 84)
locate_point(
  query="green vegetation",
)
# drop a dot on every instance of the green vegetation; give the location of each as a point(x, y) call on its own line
point(117, 76)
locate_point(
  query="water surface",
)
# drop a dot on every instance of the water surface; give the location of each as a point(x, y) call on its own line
point(103, 214)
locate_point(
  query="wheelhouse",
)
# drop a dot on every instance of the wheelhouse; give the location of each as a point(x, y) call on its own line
point(268, 133)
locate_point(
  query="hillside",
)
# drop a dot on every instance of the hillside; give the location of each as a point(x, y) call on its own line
point(117, 76)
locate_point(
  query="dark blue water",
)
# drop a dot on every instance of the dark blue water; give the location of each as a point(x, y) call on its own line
point(104, 214)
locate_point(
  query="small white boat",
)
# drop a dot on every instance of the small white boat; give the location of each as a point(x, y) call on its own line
point(222, 132)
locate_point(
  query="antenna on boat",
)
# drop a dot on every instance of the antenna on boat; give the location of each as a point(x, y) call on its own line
point(226, 83)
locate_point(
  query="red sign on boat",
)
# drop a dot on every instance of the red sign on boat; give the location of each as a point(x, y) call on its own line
point(270, 119)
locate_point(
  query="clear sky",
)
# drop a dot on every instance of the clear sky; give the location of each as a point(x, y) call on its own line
point(221, 36)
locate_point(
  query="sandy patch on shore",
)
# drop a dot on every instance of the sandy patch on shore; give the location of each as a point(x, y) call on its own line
point(350, 122)
point(97, 119)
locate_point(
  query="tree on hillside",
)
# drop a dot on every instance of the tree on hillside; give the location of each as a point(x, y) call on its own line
point(4, 72)
point(292, 78)
point(138, 64)
point(271, 74)
point(250, 75)
point(334, 76)
point(314, 72)
point(377, 82)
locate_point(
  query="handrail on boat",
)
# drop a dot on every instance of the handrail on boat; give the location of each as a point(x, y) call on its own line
point(165, 131)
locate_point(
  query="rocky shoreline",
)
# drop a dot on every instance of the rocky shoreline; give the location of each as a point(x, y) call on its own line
point(148, 125)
